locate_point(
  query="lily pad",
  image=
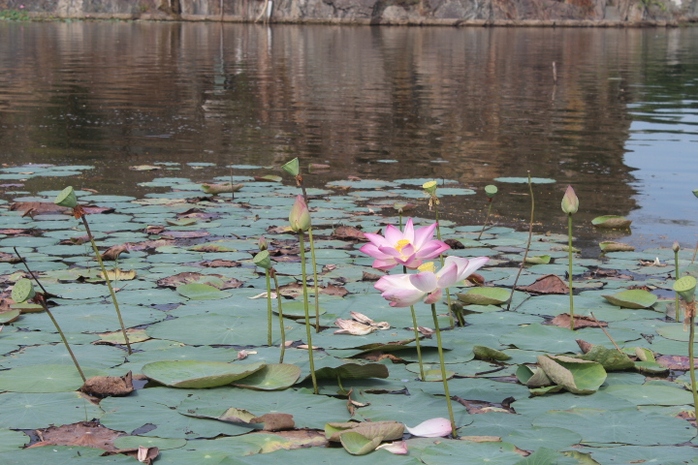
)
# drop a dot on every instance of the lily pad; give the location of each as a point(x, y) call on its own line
point(198, 374)
point(198, 291)
point(634, 298)
point(272, 377)
point(514, 180)
point(485, 296)
point(611, 222)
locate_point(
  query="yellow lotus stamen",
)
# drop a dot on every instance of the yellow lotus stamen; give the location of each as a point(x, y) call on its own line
point(401, 244)
point(428, 266)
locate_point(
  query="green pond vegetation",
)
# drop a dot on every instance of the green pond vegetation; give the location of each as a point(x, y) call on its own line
point(193, 293)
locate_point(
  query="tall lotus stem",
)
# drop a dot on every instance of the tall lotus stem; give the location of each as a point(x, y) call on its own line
point(68, 199)
point(676, 247)
point(570, 205)
point(299, 218)
point(443, 370)
point(293, 168)
point(23, 290)
point(262, 260)
point(417, 336)
point(686, 288)
point(430, 189)
point(528, 244)
point(491, 191)
point(307, 312)
point(282, 329)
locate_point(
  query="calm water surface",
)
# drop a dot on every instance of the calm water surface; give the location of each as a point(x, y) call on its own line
point(620, 122)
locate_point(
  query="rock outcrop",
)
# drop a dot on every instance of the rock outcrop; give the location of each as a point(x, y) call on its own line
point(416, 12)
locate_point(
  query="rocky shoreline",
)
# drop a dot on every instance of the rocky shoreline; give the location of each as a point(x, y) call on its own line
point(454, 13)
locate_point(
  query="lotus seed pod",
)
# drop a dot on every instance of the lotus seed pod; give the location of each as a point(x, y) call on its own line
point(67, 198)
point(292, 167)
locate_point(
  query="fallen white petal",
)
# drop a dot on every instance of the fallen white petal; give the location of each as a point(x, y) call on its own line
point(397, 448)
point(434, 428)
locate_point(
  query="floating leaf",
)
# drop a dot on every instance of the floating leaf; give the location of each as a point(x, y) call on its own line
point(576, 376)
point(388, 430)
point(486, 353)
point(198, 374)
point(610, 359)
point(611, 222)
point(198, 291)
point(485, 296)
point(221, 188)
point(272, 377)
point(613, 246)
point(514, 180)
point(353, 371)
point(538, 260)
point(268, 178)
point(634, 298)
point(548, 284)
point(358, 444)
point(9, 316)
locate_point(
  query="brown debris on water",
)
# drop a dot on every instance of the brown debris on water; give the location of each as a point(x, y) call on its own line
point(108, 386)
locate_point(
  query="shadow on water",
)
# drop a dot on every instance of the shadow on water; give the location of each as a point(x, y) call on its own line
point(617, 119)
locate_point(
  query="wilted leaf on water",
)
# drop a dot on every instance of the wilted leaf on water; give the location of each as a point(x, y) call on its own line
point(576, 376)
point(112, 253)
point(8, 257)
point(633, 298)
point(197, 374)
point(348, 233)
point(548, 284)
point(275, 421)
point(613, 246)
point(144, 168)
point(118, 274)
point(581, 321)
point(387, 430)
point(268, 178)
point(358, 444)
point(352, 327)
point(295, 290)
point(181, 222)
point(82, 434)
point(533, 379)
point(675, 362)
point(186, 277)
point(485, 296)
point(233, 415)
point(222, 188)
point(106, 386)
point(611, 222)
point(36, 208)
point(487, 353)
point(610, 359)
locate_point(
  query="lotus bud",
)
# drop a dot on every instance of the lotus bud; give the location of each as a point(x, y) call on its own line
point(491, 190)
point(23, 290)
point(430, 187)
point(262, 260)
point(570, 202)
point(299, 216)
point(695, 192)
point(67, 198)
point(686, 288)
point(676, 247)
point(292, 167)
point(262, 243)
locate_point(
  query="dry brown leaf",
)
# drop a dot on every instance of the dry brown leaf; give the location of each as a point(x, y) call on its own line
point(113, 252)
point(106, 386)
point(84, 434)
point(220, 263)
point(563, 321)
point(147, 454)
point(352, 327)
point(548, 284)
point(348, 233)
point(275, 421)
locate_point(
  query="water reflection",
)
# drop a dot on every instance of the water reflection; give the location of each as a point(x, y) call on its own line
point(463, 104)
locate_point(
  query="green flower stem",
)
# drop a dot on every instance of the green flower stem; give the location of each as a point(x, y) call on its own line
point(569, 274)
point(108, 281)
point(691, 310)
point(417, 337)
point(307, 312)
point(489, 211)
point(42, 302)
point(443, 370)
point(451, 321)
point(528, 243)
point(677, 304)
point(311, 242)
point(269, 309)
point(281, 315)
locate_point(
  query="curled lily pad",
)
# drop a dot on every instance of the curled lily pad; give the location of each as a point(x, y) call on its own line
point(613, 246)
point(388, 430)
point(576, 376)
point(485, 296)
point(611, 222)
point(487, 353)
point(538, 260)
point(198, 374)
point(358, 444)
point(272, 377)
point(634, 298)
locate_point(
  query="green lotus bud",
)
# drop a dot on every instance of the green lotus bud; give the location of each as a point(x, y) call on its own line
point(23, 290)
point(299, 216)
point(67, 198)
point(491, 190)
point(686, 288)
point(430, 187)
point(262, 260)
point(570, 202)
point(292, 167)
point(695, 192)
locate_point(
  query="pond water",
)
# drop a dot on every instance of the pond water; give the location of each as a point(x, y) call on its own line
point(614, 112)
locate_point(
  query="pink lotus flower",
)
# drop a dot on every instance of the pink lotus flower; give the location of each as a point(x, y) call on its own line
point(403, 290)
point(409, 248)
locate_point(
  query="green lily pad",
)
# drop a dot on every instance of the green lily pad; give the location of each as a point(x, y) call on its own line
point(487, 353)
point(353, 371)
point(634, 298)
point(198, 291)
point(358, 444)
point(39, 410)
point(613, 246)
point(485, 296)
point(198, 374)
point(576, 376)
point(271, 377)
point(538, 260)
point(611, 222)
point(43, 378)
